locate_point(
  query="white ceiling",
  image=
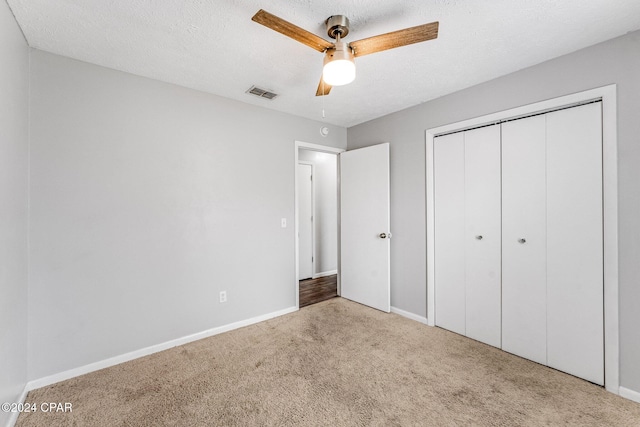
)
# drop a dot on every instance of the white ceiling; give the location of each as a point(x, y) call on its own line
point(213, 46)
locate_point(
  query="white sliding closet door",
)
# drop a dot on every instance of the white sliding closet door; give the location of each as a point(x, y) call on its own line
point(574, 242)
point(524, 255)
point(467, 233)
point(518, 237)
point(482, 234)
point(449, 232)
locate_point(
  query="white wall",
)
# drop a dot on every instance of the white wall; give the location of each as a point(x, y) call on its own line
point(14, 134)
point(326, 208)
point(615, 61)
point(148, 199)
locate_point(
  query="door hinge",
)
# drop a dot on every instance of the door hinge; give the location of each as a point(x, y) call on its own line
point(311, 177)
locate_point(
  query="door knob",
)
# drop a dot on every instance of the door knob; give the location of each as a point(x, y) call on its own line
point(385, 235)
point(522, 240)
point(479, 237)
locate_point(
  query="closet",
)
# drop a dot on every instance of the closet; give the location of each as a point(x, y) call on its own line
point(518, 238)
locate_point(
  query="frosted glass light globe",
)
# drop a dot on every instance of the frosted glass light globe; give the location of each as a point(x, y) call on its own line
point(339, 67)
point(339, 72)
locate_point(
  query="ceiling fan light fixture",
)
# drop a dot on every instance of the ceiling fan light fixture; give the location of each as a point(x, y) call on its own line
point(339, 67)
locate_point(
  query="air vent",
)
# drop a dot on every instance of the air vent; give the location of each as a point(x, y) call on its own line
point(262, 93)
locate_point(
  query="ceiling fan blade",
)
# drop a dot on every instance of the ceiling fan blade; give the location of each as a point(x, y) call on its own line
point(395, 39)
point(288, 29)
point(323, 88)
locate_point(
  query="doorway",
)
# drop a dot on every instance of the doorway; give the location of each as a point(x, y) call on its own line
point(362, 217)
point(317, 223)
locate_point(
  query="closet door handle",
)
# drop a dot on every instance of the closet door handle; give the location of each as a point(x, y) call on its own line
point(522, 241)
point(479, 237)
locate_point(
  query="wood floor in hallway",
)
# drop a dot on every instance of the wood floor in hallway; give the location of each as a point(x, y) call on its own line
point(316, 290)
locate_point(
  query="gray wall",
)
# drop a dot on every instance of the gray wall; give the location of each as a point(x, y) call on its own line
point(326, 209)
point(14, 144)
point(615, 61)
point(149, 199)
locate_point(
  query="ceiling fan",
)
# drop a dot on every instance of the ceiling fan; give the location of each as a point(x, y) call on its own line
point(339, 66)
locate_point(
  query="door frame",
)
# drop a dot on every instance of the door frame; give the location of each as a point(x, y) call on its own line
point(322, 149)
point(610, 206)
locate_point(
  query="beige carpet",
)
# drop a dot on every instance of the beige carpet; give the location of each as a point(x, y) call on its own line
point(334, 363)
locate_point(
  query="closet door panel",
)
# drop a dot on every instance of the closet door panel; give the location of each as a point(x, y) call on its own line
point(482, 234)
point(449, 232)
point(574, 242)
point(524, 238)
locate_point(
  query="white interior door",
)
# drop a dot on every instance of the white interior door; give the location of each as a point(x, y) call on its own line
point(365, 226)
point(482, 234)
point(305, 221)
point(574, 242)
point(524, 275)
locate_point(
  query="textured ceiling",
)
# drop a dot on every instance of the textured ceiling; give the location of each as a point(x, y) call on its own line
point(213, 46)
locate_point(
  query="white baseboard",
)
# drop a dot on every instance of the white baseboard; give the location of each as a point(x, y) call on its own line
point(14, 415)
point(116, 360)
point(409, 315)
point(630, 394)
point(324, 274)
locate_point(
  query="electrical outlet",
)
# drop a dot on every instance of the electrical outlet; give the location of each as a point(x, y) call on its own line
point(223, 296)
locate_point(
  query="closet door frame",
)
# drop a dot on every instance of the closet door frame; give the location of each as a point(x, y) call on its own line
point(606, 94)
